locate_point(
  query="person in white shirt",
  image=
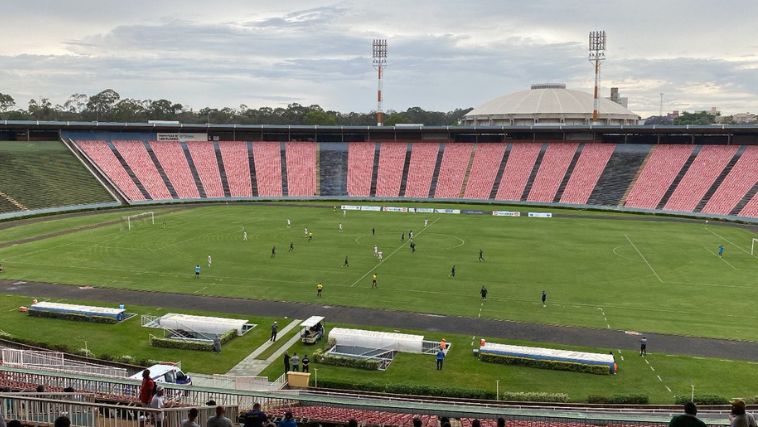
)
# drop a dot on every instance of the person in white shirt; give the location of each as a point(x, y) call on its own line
point(289, 223)
point(376, 250)
point(209, 261)
point(340, 227)
point(157, 403)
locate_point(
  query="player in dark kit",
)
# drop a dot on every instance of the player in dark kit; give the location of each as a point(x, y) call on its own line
point(481, 255)
point(544, 298)
point(292, 247)
point(413, 247)
point(483, 292)
point(273, 251)
point(373, 231)
point(347, 264)
point(452, 272)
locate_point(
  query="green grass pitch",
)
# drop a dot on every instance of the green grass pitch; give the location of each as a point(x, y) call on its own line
point(643, 275)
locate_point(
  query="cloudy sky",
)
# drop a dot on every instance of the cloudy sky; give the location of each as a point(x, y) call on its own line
point(442, 54)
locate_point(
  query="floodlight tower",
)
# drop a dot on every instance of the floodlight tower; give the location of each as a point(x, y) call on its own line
point(380, 61)
point(597, 54)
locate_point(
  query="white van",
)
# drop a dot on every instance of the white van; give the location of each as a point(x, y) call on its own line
point(166, 374)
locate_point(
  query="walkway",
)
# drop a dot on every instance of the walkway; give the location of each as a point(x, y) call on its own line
point(605, 338)
point(252, 366)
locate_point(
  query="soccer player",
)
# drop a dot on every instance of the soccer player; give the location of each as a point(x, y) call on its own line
point(402, 237)
point(344, 213)
point(452, 272)
point(413, 247)
point(426, 222)
point(380, 255)
point(244, 235)
point(273, 251)
point(209, 261)
point(544, 298)
point(346, 264)
point(410, 235)
point(289, 223)
point(306, 231)
point(319, 288)
point(721, 250)
point(197, 271)
point(310, 236)
point(376, 250)
point(373, 280)
point(643, 346)
point(481, 255)
point(373, 231)
point(483, 292)
point(340, 227)
point(292, 247)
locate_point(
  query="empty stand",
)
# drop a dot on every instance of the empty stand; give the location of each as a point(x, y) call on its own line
point(102, 155)
point(251, 165)
point(706, 167)
point(679, 176)
point(620, 172)
point(658, 173)
point(587, 172)
point(751, 208)
point(237, 168)
point(204, 158)
point(160, 170)
point(333, 169)
point(520, 164)
point(453, 170)
point(567, 175)
point(737, 183)
point(283, 163)
point(422, 160)
point(553, 168)
point(406, 170)
point(484, 169)
point(171, 157)
point(437, 168)
point(391, 160)
point(221, 169)
point(500, 171)
point(360, 162)
point(139, 161)
point(301, 168)
point(268, 168)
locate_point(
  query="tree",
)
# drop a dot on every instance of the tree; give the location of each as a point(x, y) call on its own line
point(102, 104)
point(76, 103)
point(6, 102)
point(700, 118)
point(41, 109)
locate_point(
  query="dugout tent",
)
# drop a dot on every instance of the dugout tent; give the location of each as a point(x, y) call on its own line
point(537, 353)
point(405, 343)
point(80, 310)
point(203, 324)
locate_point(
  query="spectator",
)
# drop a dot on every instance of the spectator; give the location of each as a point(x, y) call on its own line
point(288, 420)
point(501, 422)
point(157, 403)
point(2, 420)
point(62, 421)
point(191, 420)
point(352, 422)
point(476, 423)
point(210, 403)
point(147, 389)
point(440, 359)
point(255, 417)
point(41, 389)
point(219, 420)
point(306, 362)
point(417, 422)
point(286, 362)
point(14, 423)
point(445, 422)
point(688, 419)
point(738, 416)
point(295, 362)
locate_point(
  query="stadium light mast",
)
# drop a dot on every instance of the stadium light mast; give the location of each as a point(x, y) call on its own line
point(380, 61)
point(597, 54)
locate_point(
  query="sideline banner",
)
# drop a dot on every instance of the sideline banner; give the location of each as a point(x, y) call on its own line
point(448, 211)
point(350, 208)
point(371, 208)
point(472, 212)
point(395, 209)
point(540, 215)
point(424, 210)
point(505, 213)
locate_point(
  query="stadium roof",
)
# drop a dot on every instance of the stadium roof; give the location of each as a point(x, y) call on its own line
point(551, 99)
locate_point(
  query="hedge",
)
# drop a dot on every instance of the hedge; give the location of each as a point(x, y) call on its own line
point(703, 399)
point(72, 316)
point(620, 399)
point(328, 359)
point(423, 390)
point(545, 364)
point(190, 345)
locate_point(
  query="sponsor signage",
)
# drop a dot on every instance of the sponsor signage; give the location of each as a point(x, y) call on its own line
point(182, 137)
point(472, 212)
point(394, 209)
point(540, 215)
point(505, 213)
point(350, 208)
point(371, 208)
point(424, 210)
point(448, 211)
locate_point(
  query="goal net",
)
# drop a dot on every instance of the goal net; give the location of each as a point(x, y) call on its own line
point(140, 218)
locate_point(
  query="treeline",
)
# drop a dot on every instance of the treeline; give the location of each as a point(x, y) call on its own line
point(108, 106)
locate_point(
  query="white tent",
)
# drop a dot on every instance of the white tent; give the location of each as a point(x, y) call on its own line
point(203, 324)
point(379, 340)
point(538, 353)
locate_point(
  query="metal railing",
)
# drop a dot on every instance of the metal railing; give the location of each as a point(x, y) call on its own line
point(56, 361)
point(43, 409)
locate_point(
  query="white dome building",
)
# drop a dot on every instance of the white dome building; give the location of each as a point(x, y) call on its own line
point(548, 104)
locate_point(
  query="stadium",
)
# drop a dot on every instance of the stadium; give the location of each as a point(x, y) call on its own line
point(548, 261)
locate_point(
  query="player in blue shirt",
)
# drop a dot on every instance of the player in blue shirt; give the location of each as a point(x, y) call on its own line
point(197, 271)
point(721, 250)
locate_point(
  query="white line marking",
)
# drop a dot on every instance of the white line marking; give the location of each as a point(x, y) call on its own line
point(651, 368)
point(200, 290)
point(659, 378)
point(390, 255)
point(719, 257)
point(643, 258)
point(646, 361)
point(667, 388)
point(728, 241)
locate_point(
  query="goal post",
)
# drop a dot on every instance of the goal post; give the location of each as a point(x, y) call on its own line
point(129, 218)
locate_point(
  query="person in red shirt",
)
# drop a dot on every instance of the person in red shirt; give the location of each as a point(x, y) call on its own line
point(147, 389)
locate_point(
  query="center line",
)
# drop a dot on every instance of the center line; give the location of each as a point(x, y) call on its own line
point(393, 253)
point(643, 258)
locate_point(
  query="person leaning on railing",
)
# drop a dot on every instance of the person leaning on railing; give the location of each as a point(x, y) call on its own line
point(738, 417)
point(688, 419)
point(219, 420)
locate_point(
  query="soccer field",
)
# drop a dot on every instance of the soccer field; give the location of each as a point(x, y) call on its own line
point(603, 271)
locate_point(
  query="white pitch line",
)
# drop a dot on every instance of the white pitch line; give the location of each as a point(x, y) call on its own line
point(651, 368)
point(659, 378)
point(728, 241)
point(390, 255)
point(643, 258)
point(667, 388)
point(719, 257)
point(200, 290)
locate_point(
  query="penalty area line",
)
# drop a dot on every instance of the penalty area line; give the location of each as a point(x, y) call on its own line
point(728, 241)
point(390, 255)
point(643, 258)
